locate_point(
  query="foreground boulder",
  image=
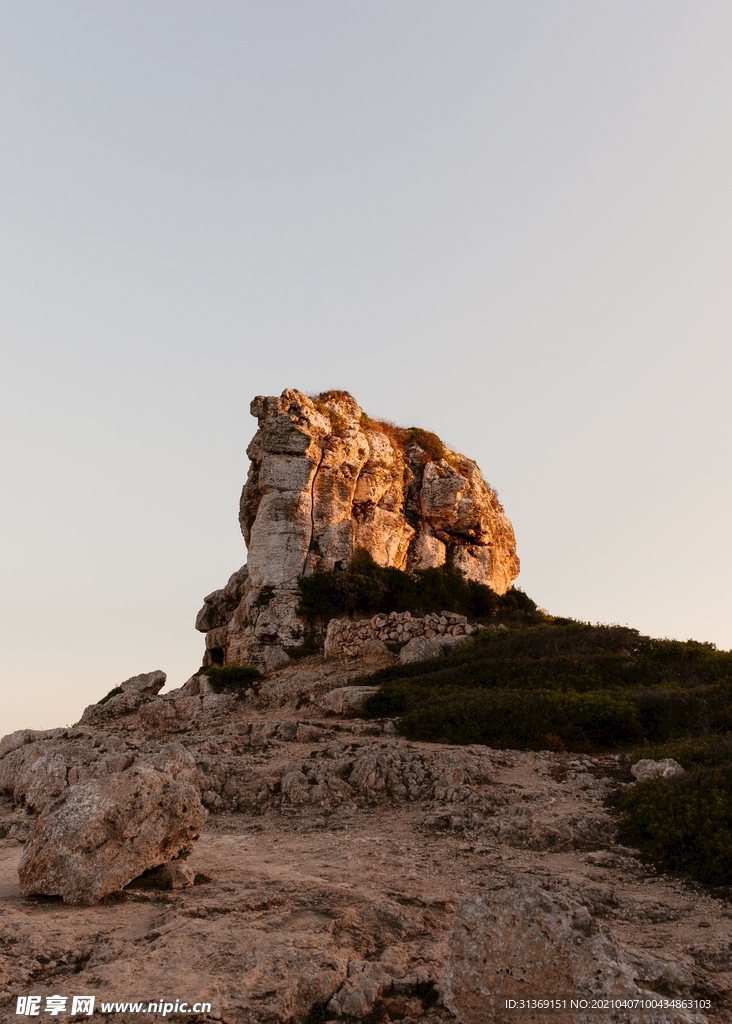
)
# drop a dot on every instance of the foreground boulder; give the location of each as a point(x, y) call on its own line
point(107, 831)
point(522, 941)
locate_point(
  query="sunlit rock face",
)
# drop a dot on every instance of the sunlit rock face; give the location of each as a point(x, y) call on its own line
point(326, 479)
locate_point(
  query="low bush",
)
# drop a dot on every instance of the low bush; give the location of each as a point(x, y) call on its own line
point(430, 443)
point(673, 712)
point(684, 823)
point(692, 752)
point(564, 654)
point(510, 718)
point(590, 687)
point(232, 678)
point(112, 693)
point(367, 588)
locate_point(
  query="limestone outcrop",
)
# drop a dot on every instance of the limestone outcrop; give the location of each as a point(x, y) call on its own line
point(646, 769)
point(325, 480)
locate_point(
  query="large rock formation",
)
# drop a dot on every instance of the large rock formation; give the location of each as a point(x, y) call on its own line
point(324, 480)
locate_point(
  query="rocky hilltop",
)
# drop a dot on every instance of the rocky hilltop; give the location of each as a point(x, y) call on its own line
point(344, 874)
point(325, 479)
point(280, 848)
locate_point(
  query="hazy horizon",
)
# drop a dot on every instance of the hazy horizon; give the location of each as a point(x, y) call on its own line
point(505, 223)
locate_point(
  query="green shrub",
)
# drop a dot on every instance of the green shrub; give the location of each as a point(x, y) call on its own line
point(112, 693)
point(692, 752)
point(366, 588)
point(650, 690)
point(511, 718)
point(232, 678)
point(574, 655)
point(429, 443)
point(684, 823)
point(674, 712)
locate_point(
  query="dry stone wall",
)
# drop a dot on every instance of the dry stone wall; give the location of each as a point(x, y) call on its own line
point(346, 638)
point(325, 480)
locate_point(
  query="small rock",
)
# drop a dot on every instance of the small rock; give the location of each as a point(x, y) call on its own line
point(147, 683)
point(194, 687)
point(359, 993)
point(175, 875)
point(275, 658)
point(374, 649)
point(347, 699)
point(420, 648)
point(308, 734)
point(261, 732)
point(648, 769)
point(287, 730)
point(449, 640)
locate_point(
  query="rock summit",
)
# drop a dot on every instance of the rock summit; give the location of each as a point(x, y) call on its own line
point(325, 480)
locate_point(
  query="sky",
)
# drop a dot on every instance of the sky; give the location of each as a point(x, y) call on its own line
point(505, 222)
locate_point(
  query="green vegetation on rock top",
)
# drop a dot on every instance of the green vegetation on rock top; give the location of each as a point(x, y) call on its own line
point(366, 589)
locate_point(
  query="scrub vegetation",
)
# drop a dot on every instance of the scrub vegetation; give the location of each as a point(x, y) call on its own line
point(366, 589)
point(685, 823)
point(232, 678)
point(563, 685)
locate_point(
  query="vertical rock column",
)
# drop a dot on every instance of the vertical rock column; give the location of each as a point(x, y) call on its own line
point(276, 517)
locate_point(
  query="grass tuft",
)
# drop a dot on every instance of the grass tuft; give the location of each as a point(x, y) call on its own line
point(115, 692)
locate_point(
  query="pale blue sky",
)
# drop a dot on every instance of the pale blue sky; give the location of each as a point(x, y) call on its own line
point(506, 222)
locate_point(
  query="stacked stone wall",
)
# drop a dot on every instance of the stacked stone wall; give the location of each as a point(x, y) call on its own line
point(346, 638)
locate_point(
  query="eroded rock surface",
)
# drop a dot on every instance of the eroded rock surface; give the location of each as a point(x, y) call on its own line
point(325, 480)
point(523, 941)
point(340, 864)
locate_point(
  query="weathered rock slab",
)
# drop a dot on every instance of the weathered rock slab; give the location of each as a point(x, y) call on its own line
point(522, 941)
point(107, 831)
point(146, 682)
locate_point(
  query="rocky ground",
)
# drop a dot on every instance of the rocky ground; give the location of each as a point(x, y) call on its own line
point(347, 874)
